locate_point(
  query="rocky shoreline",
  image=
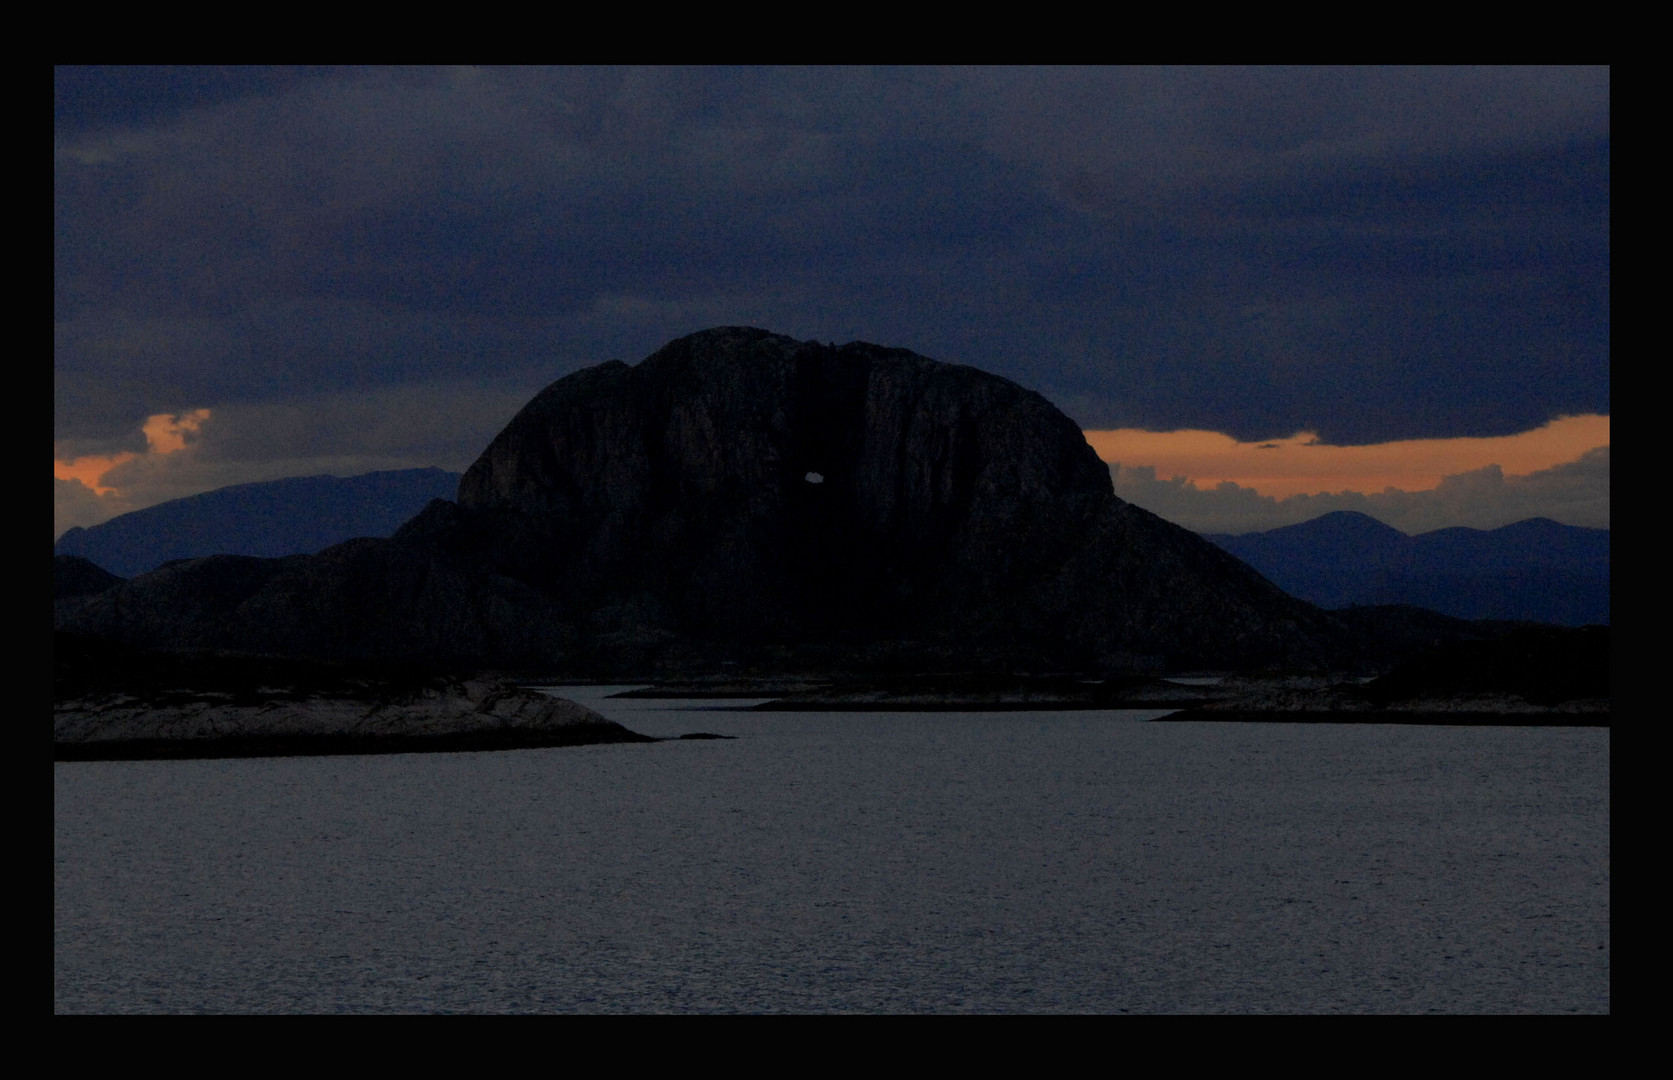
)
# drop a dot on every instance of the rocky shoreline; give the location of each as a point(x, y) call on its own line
point(1528, 676)
point(1318, 701)
point(113, 701)
point(986, 693)
point(457, 716)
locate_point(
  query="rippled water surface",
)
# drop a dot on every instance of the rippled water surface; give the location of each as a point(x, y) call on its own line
point(1077, 862)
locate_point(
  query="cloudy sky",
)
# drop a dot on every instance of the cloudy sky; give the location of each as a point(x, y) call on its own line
point(270, 272)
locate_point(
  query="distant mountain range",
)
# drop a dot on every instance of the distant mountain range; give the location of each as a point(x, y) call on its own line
point(1537, 569)
point(296, 516)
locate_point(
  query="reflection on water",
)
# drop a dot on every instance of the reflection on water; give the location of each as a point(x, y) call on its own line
point(1076, 861)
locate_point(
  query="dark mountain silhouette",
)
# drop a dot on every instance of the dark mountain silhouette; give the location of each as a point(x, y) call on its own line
point(744, 497)
point(300, 515)
point(74, 576)
point(1535, 570)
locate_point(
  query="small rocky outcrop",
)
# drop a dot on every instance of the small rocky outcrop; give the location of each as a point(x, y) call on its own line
point(1545, 666)
point(74, 576)
point(1532, 675)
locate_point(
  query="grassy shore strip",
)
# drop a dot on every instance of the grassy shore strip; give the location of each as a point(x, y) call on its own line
point(733, 690)
point(1379, 716)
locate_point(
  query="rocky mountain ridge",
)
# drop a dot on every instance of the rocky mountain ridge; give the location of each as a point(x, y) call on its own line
point(742, 498)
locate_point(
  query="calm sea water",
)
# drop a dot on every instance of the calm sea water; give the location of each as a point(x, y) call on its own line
point(1030, 862)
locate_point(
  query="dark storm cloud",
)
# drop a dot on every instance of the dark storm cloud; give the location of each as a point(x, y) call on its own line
point(1370, 254)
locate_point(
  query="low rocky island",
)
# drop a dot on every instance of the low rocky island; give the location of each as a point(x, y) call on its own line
point(117, 703)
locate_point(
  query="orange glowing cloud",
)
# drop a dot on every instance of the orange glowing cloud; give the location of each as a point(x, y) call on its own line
point(90, 470)
point(1301, 465)
point(165, 433)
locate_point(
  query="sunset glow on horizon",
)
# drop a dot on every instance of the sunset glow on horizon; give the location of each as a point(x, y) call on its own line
point(165, 433)
point(1300, 465)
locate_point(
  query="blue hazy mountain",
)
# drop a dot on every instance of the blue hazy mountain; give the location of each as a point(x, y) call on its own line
point(296, 516)
point(1536, 569)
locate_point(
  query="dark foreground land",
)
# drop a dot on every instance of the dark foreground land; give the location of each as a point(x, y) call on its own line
point(1531, 676)
point(1526, 676)
point(113, 701)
